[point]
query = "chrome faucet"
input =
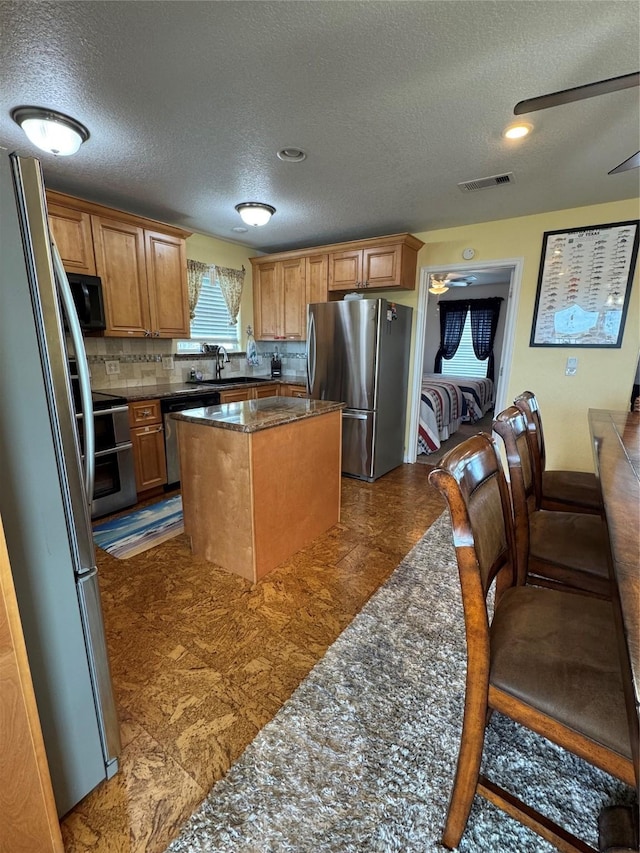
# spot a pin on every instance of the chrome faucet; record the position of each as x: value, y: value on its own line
x: 222, y: 358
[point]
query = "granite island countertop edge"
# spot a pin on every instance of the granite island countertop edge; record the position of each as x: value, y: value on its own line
x: 259, y: 414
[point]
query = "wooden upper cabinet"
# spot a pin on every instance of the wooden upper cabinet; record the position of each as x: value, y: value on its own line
x: 266, y: 301
x: 317, y: 278
x: 167, y: 282
x: 142, y: 264
x: 121, y: 264
x: 293, y: 311
x: 382, y: 264
x: 279, y: 305
x: 71, y: 230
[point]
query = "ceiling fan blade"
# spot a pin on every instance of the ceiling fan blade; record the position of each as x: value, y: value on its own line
x: 566, y: 96
x: 632, y: 162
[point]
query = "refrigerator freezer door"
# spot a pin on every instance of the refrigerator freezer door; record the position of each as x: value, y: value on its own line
x: 357, y: 443
x: 42, y: 501
x: 342, y: 351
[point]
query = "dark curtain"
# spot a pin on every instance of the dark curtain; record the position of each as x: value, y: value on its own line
x: 484, y: 322
x: 452, y: 318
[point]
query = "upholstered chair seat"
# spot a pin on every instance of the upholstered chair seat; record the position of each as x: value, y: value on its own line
x: 557, y: 653
x: 570, y: 491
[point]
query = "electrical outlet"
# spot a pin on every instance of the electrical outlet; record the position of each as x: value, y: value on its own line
x: 167, y: 362
x: 112, y: 367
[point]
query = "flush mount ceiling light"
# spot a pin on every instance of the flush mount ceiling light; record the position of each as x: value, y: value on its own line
x: 517, y: 131
x: 291, y: 155
x: 438, y: 287
x: 255, y: 212
x: 51, y: 131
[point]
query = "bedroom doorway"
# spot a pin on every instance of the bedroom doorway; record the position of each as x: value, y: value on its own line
x: 506, y: 275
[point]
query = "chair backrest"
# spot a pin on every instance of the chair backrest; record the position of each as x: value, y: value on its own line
x: 511, y: 426
x: 471, y: 479
x: 528, y: 405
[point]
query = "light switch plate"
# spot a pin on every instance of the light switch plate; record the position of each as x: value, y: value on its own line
x: 572, y: 366
x: 112, y: 367
x: 167, y: 362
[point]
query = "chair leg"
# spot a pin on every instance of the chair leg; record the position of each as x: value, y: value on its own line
x: 467, y: 772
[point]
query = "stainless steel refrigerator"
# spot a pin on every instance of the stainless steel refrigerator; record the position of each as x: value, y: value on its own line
x: 358, y: 354
x: 43, y: 500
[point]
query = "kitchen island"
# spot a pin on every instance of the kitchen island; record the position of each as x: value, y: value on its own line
x: 260, y: 479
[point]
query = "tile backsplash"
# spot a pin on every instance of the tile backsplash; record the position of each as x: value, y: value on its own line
x: 139, y: 361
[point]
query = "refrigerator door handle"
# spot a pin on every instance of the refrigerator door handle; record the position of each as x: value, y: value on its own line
x: 359, y: 416
x: 311, y: 352
x: 83, y: 372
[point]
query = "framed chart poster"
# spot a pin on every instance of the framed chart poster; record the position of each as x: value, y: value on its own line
x: 584, y: 285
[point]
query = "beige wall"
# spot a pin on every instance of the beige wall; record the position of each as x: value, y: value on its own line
x: 604, y: 377
x: 211, y: 250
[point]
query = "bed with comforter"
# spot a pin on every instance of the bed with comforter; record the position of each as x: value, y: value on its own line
x: 448, y: 401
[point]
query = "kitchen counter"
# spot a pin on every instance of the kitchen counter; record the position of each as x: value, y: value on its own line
x: 260, y: 479
x: 255, y: 415
x: 158, y: 391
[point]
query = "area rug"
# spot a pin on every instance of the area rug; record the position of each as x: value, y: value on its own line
x: 361, y: 758
x: 141, y: 529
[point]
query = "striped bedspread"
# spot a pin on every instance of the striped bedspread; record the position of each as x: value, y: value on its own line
x: 478, y: 394
x: 441, y: 407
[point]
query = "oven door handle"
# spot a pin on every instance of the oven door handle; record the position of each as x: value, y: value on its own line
x: 119, y: 448
x: 114, y: 410
x: 83, y: 372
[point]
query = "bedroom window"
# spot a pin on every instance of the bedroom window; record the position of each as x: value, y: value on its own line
x: 464, y: 362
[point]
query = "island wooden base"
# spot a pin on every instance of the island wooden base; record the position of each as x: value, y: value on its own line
x: 251, y: 500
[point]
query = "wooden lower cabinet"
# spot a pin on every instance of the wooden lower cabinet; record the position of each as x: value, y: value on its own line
x: 147, y: 437
x: 293, y: 391
x: 239, y: 395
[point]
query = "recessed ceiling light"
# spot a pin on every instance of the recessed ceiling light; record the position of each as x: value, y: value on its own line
x: 291, y: 155
x: 517, y: 131
x: 50, y: 130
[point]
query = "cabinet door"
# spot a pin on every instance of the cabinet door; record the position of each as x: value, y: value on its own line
x: 149, y: 457
x: 382, y: 266
x: 345, y: 270
x: 317, y: 279
x: 71, y: 230
x: 237, y: 395
x: 293, y: 391
x: 167, y: 281
x: 266, y: 302
x: 292, y: 277
x: 120, y: 262
x: 265, y: 391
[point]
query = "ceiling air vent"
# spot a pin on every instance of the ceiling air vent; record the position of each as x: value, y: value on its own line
x: 485, y: 183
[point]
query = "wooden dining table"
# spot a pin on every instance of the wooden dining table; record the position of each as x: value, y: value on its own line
x: 616, y: 449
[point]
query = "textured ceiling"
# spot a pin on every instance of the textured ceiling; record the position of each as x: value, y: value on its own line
x: 394, y: 102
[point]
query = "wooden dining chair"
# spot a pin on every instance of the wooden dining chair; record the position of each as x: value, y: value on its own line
x: 560, y: 490
x: 561, y: 550
x: 546, y: 659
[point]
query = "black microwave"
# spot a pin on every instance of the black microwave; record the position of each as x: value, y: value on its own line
x: 87, y: 296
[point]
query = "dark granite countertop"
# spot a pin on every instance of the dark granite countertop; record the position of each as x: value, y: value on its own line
x: 185, y: 389
x: 254, y: 415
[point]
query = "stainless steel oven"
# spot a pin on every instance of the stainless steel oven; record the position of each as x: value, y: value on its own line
x: 115, y: 478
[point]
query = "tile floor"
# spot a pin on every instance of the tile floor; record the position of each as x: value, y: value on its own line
x: 202, y: 659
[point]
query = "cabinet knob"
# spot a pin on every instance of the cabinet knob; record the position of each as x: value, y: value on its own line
x: 145, y: 413
x: 147, y: 333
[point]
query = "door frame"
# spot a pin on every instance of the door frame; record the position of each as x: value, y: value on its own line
x: 516, y: 266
